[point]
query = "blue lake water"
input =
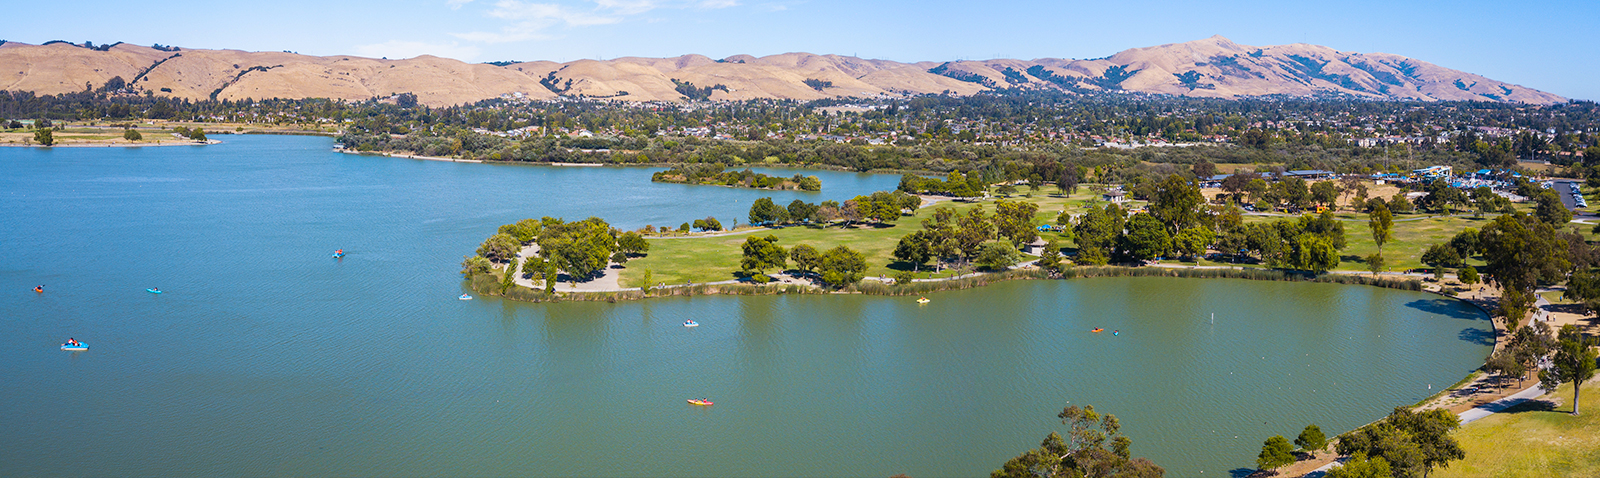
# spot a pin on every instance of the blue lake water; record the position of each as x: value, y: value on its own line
x: 264, y: 356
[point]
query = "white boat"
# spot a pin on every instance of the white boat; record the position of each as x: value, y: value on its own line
x: 465, y: 297
x: 75, y: 348
x: 923, y: 300
x: 690, y: 323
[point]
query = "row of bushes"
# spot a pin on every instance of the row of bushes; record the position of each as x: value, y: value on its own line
x: 490, y: 283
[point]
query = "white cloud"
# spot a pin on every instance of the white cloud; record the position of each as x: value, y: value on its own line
x: 534, y: 21
x: 531, y: 20
x: 628, y: 7
x: 456, y: 4
x: 397, y: 49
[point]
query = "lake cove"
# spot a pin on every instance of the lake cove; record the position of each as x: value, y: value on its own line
x: 264, y: 354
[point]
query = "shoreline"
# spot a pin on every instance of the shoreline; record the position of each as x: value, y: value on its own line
x: 115, y: 145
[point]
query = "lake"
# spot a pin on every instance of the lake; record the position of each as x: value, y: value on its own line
x: 265, y: 356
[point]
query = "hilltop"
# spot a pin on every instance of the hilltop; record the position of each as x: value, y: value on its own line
x: 1211, y: 67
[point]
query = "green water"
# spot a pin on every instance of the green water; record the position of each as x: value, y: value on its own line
x: 266, y: 357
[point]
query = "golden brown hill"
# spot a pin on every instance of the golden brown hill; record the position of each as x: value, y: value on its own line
x: 1212, y: 67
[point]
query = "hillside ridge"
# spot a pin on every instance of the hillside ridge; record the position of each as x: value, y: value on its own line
x: 1213, y: 67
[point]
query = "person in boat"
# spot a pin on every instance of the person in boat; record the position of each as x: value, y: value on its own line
x: 73, y: 342
x: 157, y: 289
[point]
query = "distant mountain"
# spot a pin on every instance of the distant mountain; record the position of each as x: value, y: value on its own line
x: 1212, y: 67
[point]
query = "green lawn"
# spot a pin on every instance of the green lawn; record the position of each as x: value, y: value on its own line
x: 1531, y: 441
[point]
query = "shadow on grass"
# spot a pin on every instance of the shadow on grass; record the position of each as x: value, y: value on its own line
x: 1533, y: 406
x: 1446, y: 307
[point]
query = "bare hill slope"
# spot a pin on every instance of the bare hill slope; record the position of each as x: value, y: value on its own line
x: 1211, y: 67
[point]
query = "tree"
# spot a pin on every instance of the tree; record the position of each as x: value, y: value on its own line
x: 808, y: 183
x: 1468, y: 275
x: 499, y: 248
x: 762, y: 253
x: 1520, y: 251
x: 1550, y: 210
x: 1204, y: 169
x: 1360, y: 466
x: 806, y: 258
x: 1314, y: 253
x: 1381, y: 222
x: 1398, y: 203
x: 801, y: 211
x: 1015, y: 221
x: 1275, y: 453
x: 711, y: 224
x: 996, y: 256
x: 197, y: 134
x: 764, y: 212
x: 1093, y: 447
x: 1412, y: 443
x: 1441, y: 256
x: 475, y: 265
x: 1050, y: 259
x: 1194, y: 241
x: 1573, y: 363
x: 1146, y: 239
x: 1325, y: 193
x: 842, y: 266
x: 44, y: 136
x: 1375, y: 263
x: 1096, y: 233
x: 915, y: 248
x: 581, y: 248
x: 131, y: 135
x: 1311, y: 439
x: 1176, y: 203
x: 632, y: 243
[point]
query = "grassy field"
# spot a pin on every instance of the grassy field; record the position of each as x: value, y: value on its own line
x: 707, y: 259
x: 153, y: 132
x: 1532, y: 440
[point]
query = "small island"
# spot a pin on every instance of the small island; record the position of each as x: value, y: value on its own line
x: 712, y: 174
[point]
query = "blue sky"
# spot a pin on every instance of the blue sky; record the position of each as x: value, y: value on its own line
x: 1548, y: 45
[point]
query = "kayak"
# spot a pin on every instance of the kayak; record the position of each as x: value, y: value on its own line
x: 465, y: 297
x: 690, y: 323
x: 75, y: 348
x: 153, y: 291
x: 1098, y: 330
x: 923, y: 300
x: 703, y: 403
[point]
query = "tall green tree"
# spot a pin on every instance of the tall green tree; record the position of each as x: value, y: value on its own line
x: 996, y: 256
x: 499, y: 248
x: 915, y: 248
x: 1574, y: 362
x: 762, y: 253
x: 632, y: 243
x: 842, y: 266
x: 764, y: 212
x: 1015, y: 221
x: 1521, y: 251
x: 44, y: 136
x: 1093, y: 447
x: 806, y: 258
x: 1176, y: 203
x: 581, y: 248
x: 1311, y: 439
x: 1146, y: 238
x: 1275, y: 453
x: 1381, y: 222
